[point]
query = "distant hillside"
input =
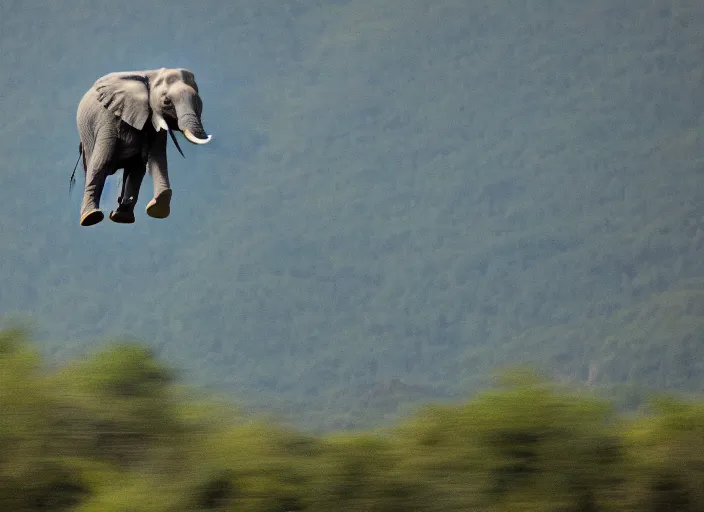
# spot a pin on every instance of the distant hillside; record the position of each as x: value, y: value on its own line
x: 414, y: 192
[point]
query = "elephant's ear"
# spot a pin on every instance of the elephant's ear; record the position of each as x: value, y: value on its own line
x: 126, y: 95
x: 189, y: 78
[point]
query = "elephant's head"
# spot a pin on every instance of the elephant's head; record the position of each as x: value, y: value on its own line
x: 169, y: 96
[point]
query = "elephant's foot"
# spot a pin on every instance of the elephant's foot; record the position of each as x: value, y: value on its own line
x: 160, y: 206
x: 92, y: 217
x: 124, y: 214
x: 122, y: 217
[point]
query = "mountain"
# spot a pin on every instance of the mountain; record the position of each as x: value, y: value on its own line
x: 413, y: 191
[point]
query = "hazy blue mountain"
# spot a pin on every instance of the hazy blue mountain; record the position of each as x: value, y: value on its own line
x: 400, y: 196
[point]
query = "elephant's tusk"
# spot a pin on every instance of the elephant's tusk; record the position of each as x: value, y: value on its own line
x: 159, y: 122
x: 194, y: 139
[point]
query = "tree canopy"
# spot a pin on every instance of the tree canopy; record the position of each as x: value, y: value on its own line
x: 113, y: 432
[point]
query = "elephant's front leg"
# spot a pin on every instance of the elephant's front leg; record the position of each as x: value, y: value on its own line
x: 99, y: 166
x: 132, y: 177
x: 160, y: 206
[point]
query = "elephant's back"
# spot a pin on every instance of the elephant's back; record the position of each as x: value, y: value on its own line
x: 87, y: 106
x: 91, y: 114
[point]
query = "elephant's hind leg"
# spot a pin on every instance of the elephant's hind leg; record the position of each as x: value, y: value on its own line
x: 99, y: 166
x: 132, y: 177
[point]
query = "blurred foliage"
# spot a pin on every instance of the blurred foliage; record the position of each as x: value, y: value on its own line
x: 113, y: 432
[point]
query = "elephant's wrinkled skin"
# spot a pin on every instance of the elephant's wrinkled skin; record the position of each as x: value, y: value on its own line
x: 122, y: 123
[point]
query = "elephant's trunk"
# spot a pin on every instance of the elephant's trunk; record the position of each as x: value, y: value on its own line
x: 188, y: 120
x: 192, y: 128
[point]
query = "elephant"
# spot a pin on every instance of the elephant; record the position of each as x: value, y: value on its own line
x: 122, y: 123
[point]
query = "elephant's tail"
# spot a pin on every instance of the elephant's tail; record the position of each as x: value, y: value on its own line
x: 81, y: 155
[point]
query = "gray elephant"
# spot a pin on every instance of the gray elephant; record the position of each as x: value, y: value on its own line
x: 122, y: 123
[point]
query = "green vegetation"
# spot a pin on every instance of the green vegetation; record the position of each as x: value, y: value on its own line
x: 400, y: 197
x: 113, y: 432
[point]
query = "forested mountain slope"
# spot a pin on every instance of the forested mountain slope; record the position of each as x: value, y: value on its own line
x: 399, y: 198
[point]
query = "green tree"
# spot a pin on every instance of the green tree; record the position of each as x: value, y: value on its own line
x: 31, y: 478
x: 114, y: 406
x: 666, y: 457
x: 525, y: 447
